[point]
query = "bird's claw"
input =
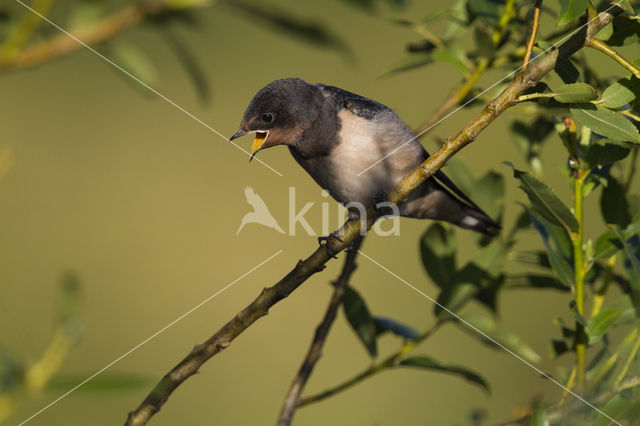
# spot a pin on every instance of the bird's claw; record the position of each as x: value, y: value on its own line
x: 326, y: 240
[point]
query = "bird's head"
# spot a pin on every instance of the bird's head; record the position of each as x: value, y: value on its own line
x: 279, y: 113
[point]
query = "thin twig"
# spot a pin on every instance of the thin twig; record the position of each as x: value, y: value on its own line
x: 389, y: 362
x: 106, y: 28
x: 614, y: 54
x: 315, y: 350
x: 352, y: 229
x: 534, y: 32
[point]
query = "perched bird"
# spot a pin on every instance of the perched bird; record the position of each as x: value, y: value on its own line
x: 335, y: 135
x: 260, y: 213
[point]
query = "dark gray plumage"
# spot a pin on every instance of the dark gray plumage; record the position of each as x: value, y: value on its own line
x: 335, y: 134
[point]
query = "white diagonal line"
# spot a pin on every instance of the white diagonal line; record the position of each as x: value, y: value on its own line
x: 148, y: 339
x: 477, y: 330
x: 142, y: 83
x: 553, y: 46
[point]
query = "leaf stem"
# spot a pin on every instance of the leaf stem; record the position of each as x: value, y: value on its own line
x: 530, y: 96
x: 579, y: 271
x: 612, y: 53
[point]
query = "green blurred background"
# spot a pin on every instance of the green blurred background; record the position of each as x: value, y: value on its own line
x: 144, y: 203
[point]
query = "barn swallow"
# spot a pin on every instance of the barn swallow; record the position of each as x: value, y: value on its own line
x: 335, y: 135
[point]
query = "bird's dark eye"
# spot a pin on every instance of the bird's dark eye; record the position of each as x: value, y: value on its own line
x: 267, y: 118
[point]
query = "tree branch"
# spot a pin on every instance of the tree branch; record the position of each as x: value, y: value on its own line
x: 352, y: 229
x: 534, y: 32
x: 62, y: 45
x: 315, y: 350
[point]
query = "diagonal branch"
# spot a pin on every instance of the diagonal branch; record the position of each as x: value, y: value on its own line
x: 352, y: 229
x: 315, y: 350
x: 61, y: 45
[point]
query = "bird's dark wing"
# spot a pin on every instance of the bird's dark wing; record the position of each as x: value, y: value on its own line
x: 450, y: 187
x: 365, y: 108
x: 358, y: 105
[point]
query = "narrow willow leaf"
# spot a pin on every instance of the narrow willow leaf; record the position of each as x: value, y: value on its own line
x: 137, y: 63
x: 535, y: 281
x: 451, y: 58
x: 570, y: 10
x: 546, y: 202
x: 615, y: 408
x: 384, y: 324
x: 574, y: 93
x: 598, y: 325
x: 567, y: 72
x: 632, y: 264
x: 606, y: 123
x: 615, y: 206
x: 539, y: 417
x: 620, y: 93
x: 498, y: 333
x: 454, y: 298
x: 625, y: 31
x: 359, y: 317
x: 426, y: 362
x: 557, y: 243
x: 603, y: 153
x: 438, y: 249
x: 280, y: 20
x: 606, y: 245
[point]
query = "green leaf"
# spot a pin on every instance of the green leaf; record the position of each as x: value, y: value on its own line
x: 606, y: 122
x: 604, y: 152
x: 105, y: 382
x: 632, y: 265
x: 426, y: 362
x: 438, y: 249
x: 535, y: 281
x: 598, y: 325
x: 409, y: 62
x: 620, y: 93
x: 451, y: 58
x: 384, y: 324
x: 492, y: 331
x: 458, y: 21
x: 625, y: 31
x: 575, y: 92
x: 454, y: 298
x: 567, y: 71
x: 136, y: 62
x: 359, y: 317
x: 615, y: 408
x: 280, y: 20
x: 570, y: 10
x: 605, y: 245
x: 558, y: 246
x: 615, y: 206
x: 539, y: 417
x: 545, y: 202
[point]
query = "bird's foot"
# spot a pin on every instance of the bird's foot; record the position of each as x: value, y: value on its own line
x: 327, y: 240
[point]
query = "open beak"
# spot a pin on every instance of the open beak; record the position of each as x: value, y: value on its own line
x: 259, y: 140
